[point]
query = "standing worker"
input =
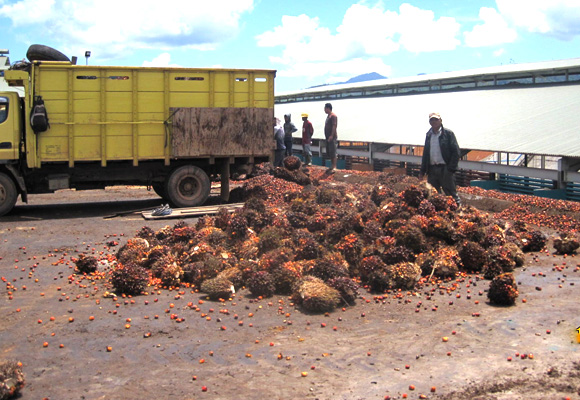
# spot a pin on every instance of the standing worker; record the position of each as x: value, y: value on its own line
x: 440, y: 158
x: 307, y: 132
x: 289, y: 129
x: 331, y: 135
x: 280, y: 147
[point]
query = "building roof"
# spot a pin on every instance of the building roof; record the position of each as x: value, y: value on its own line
x: 541, y: 119
x: 532, y: 69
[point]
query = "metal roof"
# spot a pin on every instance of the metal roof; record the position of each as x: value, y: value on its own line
x: 534, y: 120
x: 533, y: 69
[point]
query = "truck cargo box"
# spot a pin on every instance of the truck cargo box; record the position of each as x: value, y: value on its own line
x: 133, y: 113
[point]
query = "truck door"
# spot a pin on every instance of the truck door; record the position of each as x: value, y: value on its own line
x: 9, y: 126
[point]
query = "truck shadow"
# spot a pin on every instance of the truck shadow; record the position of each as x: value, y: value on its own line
x: 23, y: 212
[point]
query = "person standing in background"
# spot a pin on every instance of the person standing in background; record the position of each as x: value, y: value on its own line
x: 440, y: 158
x: 331, y: 135
x: 280, y: 147
x: 289, y: 129
x: 307, y: 132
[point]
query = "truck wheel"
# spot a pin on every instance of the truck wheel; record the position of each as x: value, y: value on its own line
x: 8, y: 194
x: 40, y: 52
x: 188, y: 186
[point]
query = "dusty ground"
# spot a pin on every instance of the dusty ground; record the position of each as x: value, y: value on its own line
x: 378, y: 348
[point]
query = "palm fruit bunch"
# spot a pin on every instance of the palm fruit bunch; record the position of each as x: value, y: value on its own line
x: 443, y: 203
x: 306, y: 245
x: 371, y: 265
x: 298, y: 176
x: 11, y: 379
x: 446, y: 260
x: 171, y: 275
x: 129, y: 278
x: 494, y: 236
x: 398, y: 254
x: 86, y: 264
x: 275, y: 258
x: 270, y: 238
x: 237, y: 228
x: 135, y: 250
x: 292, y: 163
x: 533, y: 241
x: 566, y: 243
x: 473, y: 256
x: 503, y: 290
x: 350, y: 247
x: 441, y: 228
x: 515, y: 253
x: 234, y: 274
x: 412, y: 238
x: 261, y: 283
x: 313, y: 295
x: 491, y: 270
x: 404, y: 275
x: 330, y: 265
x: 502, y: 258
x: 347, y: 288
x: 216, y: 288
x: 286, y: 275
x: 413, y: 196
x: 426, y: 208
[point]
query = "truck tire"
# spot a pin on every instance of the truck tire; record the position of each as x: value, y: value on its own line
x: 187, y: 186
x: 8, y: 194
x: 40, y: 52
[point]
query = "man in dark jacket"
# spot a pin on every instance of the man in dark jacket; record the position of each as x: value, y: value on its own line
x: 440, y: 158
x: 289, y: 129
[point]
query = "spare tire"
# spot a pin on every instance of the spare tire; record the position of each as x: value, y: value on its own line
x: 39, y: 52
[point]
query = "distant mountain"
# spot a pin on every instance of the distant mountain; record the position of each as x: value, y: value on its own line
x: 371, y: 76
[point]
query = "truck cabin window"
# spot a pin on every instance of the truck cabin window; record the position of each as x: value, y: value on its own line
x: 3, y: 109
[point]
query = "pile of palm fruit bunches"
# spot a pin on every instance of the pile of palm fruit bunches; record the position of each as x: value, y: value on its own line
x: 306, y: 234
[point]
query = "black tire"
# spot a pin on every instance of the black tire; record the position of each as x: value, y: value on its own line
x: 187, y: 186
x: 8, y: 194
x: 40, y: 52
x: 159, y: 188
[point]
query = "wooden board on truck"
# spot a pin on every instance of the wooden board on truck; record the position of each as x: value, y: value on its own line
x: 219, y: 131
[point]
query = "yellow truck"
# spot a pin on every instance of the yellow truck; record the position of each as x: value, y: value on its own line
x: 171, y: 129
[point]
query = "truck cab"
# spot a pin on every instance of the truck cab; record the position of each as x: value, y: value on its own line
x: 10, y: 126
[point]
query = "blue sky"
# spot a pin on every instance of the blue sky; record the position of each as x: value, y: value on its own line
x: 309, y: 42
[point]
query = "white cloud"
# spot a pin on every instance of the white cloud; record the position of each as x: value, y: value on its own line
x: 420, y: 32
x: 365, y: 35
x: 494, y: 30
x: 558, y: 18
x: 110, y: 27
x: 162, y: 60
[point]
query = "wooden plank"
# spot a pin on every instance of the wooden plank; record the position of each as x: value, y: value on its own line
x: 222, y: 132
x: 190, y: 212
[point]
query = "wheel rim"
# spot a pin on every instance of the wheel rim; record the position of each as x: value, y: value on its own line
x: 3, y: 194
x: 188, y: 187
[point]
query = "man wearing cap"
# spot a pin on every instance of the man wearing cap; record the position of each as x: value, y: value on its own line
x: 307, y: 132
x: 440, y: 158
